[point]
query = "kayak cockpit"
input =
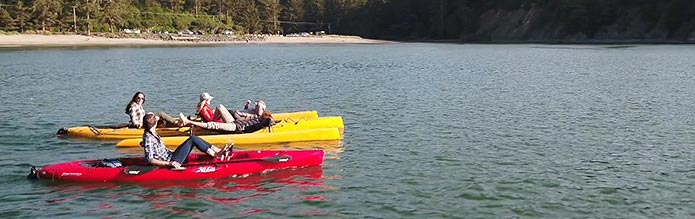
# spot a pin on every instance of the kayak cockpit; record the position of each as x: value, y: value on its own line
x: 114, y: 162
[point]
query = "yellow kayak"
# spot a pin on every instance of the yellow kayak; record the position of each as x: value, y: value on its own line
x: 300, y: 119
x: 319, y: 134
x: 332, y: 147
x: 296, y: 115
x: 320, y: 122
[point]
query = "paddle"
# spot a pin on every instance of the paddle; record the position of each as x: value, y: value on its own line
x: 138, y: 170
x: 33, y: 173
x: 291, y: 120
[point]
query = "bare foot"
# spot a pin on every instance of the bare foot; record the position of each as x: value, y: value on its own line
x: 183, y: 120
x: 224, y: 152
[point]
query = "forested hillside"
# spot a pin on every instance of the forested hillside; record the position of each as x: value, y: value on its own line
x: 535, y: 20
x: 466, y: 20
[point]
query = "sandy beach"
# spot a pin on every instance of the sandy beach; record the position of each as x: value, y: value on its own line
x: 37, y: 40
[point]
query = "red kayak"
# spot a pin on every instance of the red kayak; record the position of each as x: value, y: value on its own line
x: 198, y: 166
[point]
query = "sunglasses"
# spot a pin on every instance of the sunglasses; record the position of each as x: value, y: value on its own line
x: 140, y: 98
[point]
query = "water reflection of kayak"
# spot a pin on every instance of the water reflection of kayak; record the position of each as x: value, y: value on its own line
x: 291, y: 185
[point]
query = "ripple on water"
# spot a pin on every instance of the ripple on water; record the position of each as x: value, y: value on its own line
x: 432, y: 130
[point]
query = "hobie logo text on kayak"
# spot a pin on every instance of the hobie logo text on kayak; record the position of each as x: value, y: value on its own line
x: 206, y: 169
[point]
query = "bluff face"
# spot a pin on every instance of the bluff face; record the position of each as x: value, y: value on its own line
x: 539, y: 25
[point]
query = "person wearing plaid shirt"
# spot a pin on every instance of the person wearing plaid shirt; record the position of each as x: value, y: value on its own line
x: 135, y: 110
x: 158, y: 154
x: 238, y: 126
x: 249, y: 113
x: 154, y: 147
x: 252, y: 125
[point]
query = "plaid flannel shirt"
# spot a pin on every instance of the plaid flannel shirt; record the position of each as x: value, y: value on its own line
x: 136, y: 115
x: 244, y: 115
x: 154, y: 148
x: 252, y: 125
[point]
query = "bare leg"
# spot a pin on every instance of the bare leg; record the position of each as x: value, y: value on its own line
x: 208, y: 125
x: 185, y: 121
x: 169, y: 120
x: 222, y: 112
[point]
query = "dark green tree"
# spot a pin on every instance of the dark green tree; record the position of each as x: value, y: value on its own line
x: 21, y: 15
x: 6, y: 21
x: 115, y: 13
x: 175, y: 6
x: 313, y: 10
x: 271, y: 10
x: 294, y: 10
x: 250, y: 18
x: 46, y: 13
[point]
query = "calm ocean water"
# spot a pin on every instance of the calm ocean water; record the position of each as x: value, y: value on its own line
x: 432, y: 130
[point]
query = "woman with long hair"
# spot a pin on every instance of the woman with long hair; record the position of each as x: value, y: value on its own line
x: 135, y: 110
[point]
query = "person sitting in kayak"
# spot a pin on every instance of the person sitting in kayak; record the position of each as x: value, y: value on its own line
x: 250, y: 113
x: 237, y: 126
x: 221, y: 114
x: 157, y: 153
x: 136, y: 111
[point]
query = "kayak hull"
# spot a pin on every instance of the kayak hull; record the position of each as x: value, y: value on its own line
x: 301, y: 124
x: 127, y: 133
x: 198, y: 166
x: 320, y: 134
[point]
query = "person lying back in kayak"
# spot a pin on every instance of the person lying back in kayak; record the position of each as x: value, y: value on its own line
x: 250, y: 113
x: 221, y: 114
x: 136, y: 111
x: 237, y: 126
x: 156, y: 153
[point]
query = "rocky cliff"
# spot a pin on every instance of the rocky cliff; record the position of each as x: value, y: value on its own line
x: 537, y: 25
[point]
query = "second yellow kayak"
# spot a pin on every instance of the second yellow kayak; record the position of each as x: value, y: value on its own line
x: 319, y: 134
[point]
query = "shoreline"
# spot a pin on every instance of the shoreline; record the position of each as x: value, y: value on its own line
x: 9, y: 41
x: 562, y: 42
x: 100, y: 40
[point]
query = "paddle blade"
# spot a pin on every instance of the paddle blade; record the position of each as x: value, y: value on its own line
x: 33, y: 173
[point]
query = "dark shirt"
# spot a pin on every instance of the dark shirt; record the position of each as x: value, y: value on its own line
x: 252, y: 125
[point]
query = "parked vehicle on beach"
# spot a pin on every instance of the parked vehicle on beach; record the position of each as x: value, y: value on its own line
x: 302, y: 34
x: 133, y: 31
